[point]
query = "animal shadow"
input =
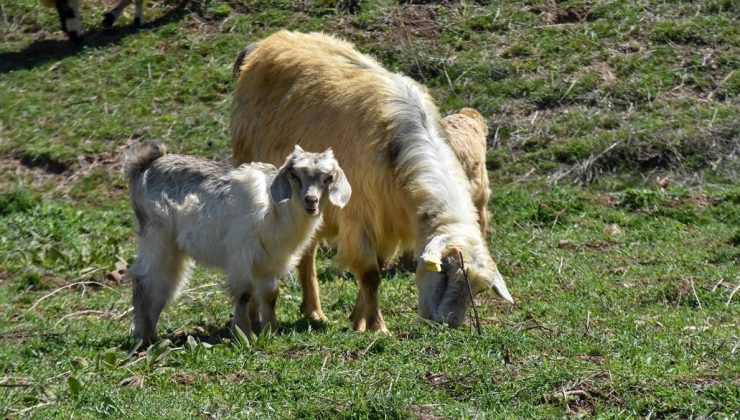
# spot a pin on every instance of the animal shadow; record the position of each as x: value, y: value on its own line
x: 43, y: 51
x: 209, y: 333
x: 301, y: 325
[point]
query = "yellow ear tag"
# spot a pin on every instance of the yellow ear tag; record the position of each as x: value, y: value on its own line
x: 433, y: 266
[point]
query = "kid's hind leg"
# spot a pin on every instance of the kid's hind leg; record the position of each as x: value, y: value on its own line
x: 156, y: 277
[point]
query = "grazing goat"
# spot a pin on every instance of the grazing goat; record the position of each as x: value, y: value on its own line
x: 69, y: 15
x: 467, y: 132
x: 252, y: 221
x: 319, y: 91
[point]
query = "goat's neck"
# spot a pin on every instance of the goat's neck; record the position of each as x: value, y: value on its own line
x: 287, y: 227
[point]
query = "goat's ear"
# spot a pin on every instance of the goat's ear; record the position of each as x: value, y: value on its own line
x: 436, y: 249
x: 339, y: 190
x: 280, y: 189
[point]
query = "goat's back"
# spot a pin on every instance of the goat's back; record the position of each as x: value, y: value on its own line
x: 318, y: 91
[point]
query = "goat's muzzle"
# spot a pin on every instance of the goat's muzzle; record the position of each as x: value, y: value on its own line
x: 311, y: 204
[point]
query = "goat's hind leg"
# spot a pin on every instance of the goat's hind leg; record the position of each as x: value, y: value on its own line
x: 139, y: 14
x: 69, y: 16
x: 110, y: 16
x: 156, y: 279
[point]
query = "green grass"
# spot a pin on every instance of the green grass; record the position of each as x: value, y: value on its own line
x: 616, y: 214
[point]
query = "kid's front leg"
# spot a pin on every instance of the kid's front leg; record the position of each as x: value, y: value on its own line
x: 242, y: 318
x: 266, y: 294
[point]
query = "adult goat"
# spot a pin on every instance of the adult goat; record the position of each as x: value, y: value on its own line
x: 409, y: 188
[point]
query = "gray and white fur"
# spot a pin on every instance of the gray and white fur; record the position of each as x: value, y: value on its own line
x: 253, y: 222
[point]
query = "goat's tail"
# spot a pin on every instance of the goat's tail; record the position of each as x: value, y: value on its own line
x: 139, y: 160
x: 236, y: 70
x: 48, y: 3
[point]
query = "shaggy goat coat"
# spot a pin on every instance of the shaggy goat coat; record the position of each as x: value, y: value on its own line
x: 409, y: 189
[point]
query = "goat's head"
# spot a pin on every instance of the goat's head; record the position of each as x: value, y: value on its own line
x: 313, y: 177
x: 441, y: 281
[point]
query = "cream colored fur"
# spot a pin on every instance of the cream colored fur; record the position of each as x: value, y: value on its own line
x: 319, y: 91
x: 467, y: 132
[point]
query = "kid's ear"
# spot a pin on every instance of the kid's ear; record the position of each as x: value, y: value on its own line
x: 339, y: 190
x: 280, y: 189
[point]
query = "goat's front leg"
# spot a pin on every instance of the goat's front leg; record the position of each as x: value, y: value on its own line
x: 311, y: 304
x: 242, y: 318
x: 267, y: 293
x: 366, y: 314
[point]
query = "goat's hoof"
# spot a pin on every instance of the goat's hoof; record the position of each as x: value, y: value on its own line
x: 74, y: 37
x: 144, y: 343
x: 373, y: 323
x: 316, y: 317
x: 138, y: 22
x: 108, y: 20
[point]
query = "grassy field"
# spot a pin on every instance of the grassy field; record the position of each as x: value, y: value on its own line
x: 615, y: 133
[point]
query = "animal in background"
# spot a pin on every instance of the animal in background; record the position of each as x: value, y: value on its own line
x: 253, y: 222
x: 467, y: 131
x: 69, y: 15
x: 409, y: 189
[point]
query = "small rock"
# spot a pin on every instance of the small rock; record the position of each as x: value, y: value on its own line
x: 114, y: 276
x: 567, y: 244
x: 662, y: 182
x: 613, y: 229
x: 134, y: 382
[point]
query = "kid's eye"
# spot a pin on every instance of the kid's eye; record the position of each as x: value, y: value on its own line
x: 328, y: 179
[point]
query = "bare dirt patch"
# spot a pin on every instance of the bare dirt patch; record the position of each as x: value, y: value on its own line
x: 581, y: 396
x: 422, y: 412
x: 413, y: 21
x: 697, y: 199
x: 597, y: 360
x: 554, y: 14
x: 40, y: 171
x: 297, y: 353
x: 183, y: 378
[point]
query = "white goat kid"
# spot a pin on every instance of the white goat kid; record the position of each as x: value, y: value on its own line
x: 69, y: 15
x: 253, y: 221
